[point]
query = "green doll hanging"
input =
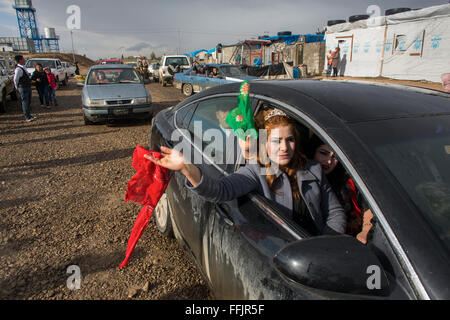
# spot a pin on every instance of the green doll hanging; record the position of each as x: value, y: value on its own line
x: 240, y: 119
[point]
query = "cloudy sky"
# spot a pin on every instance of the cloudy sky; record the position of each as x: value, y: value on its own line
x: 110, y: 28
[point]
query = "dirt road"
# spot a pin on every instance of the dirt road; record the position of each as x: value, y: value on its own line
x: 62, y: 188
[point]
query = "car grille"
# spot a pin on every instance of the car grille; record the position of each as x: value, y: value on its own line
x: 118, y: 102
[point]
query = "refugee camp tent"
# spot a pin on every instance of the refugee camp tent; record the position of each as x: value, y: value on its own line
x: 412, y: 45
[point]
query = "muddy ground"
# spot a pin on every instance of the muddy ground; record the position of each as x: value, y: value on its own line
x: 62, y: 188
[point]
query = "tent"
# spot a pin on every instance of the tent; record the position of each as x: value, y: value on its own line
x: 412, y: 45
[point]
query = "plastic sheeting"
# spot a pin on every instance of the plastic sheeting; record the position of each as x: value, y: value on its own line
x: 294, y: 38
x: 194, y: 53
x: 411, y: 45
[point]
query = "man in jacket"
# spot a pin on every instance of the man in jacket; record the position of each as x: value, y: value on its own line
x: 22, y: 83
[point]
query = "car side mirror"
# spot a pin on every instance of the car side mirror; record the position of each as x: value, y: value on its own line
x: 333, y: 263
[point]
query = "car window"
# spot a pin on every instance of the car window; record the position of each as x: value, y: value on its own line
x: 113, y: 76
x: 184, y: 116
x: 232, y: 71
x: 45, y: 63
x: 177, y: 61
x: 418, y: 156
x: 208, y: 124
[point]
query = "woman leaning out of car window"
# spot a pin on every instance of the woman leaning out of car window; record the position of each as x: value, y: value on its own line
x: 287, y: 177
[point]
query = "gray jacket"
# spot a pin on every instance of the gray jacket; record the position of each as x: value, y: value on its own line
x: 321, y: 201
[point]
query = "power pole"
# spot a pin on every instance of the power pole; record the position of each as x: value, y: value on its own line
x: 73, y: 51
x: 179, y: 47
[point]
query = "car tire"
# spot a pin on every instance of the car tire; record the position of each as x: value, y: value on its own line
x: 3, y: 103
x: 87, y: 122
x: 162, y: 217
x: 57, y: 81
x: 187, y: 89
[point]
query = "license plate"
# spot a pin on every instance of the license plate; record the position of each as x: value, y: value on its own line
x: 120, y: 111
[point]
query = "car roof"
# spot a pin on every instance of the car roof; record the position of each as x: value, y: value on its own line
x: 111, y: 66
x: 42, y: 59
x: 351, y: 101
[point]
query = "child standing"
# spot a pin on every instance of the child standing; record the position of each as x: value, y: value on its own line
x: 52, y: 86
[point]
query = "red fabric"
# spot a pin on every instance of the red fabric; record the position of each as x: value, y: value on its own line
x: 145, y: 187
x: 52, y: 80
x: 355, y: 209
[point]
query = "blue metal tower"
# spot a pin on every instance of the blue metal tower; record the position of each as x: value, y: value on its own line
x: 26, y: 20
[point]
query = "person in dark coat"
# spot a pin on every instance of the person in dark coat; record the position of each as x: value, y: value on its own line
x: 41, y: 84
x: 77, y: 70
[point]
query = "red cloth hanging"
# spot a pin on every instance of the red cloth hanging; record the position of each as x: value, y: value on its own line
x: 356, y: 211
x: 145, y: 187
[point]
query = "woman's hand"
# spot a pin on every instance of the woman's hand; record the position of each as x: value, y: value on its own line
x: 171, y: 159
x: 174, y: 160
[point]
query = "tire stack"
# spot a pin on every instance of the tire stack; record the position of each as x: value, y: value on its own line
x: 395, y: 11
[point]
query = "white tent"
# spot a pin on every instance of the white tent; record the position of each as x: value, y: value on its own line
x: 412, y: 45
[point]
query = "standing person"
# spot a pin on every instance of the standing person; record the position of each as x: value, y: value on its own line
x: 77, y: 70
x: 329, y: 62
x: 22, y: 83
x: 52, y: 86
x: 41, y: 84
x: 335, y: 61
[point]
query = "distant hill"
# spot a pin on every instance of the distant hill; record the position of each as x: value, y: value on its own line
x: 84, y: 63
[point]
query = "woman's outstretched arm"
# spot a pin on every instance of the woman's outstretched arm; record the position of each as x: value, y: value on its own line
x: 217, y: 190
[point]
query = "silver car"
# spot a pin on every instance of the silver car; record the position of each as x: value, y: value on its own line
x: 115, y: 91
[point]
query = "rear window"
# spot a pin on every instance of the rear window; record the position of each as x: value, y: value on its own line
x: 177, y: 61
x: 417, y: 153
x: 45, y: 63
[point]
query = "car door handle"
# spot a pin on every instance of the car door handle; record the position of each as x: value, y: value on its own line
x: 221, y: 210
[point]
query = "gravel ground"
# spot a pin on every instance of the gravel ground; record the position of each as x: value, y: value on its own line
x: 62, y: 189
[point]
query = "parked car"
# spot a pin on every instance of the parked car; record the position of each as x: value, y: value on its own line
x: 54, y: 64
x: 110, y: 61
x: 171, y: 65
x: 6, y: 85
x: 191, y: 81
x: 395, y: 144
x: 70, y: 68
x: 153, y: 70
x: 114, y: 91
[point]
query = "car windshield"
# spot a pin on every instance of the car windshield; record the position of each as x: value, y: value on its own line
x: 179, y: 61
x: 232, y: 71
x: 45, y: 63
x: 113, y: 76
x: 417, y: 153
x: 111, y: 62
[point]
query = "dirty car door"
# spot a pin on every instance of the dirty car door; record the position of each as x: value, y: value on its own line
x: 209, y: 115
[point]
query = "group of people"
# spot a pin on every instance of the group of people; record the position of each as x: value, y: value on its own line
x: 333, y: 59
x: 46, y: 85
x: 313, y: 186
x: 200, y: 69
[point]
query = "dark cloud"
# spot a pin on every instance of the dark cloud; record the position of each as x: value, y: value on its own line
x: 139, y: 46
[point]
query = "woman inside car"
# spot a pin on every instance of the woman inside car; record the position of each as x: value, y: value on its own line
x: 358, y: 214
x: 286, y: 177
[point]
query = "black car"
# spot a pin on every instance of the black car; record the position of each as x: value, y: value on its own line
x: 393, y: 141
